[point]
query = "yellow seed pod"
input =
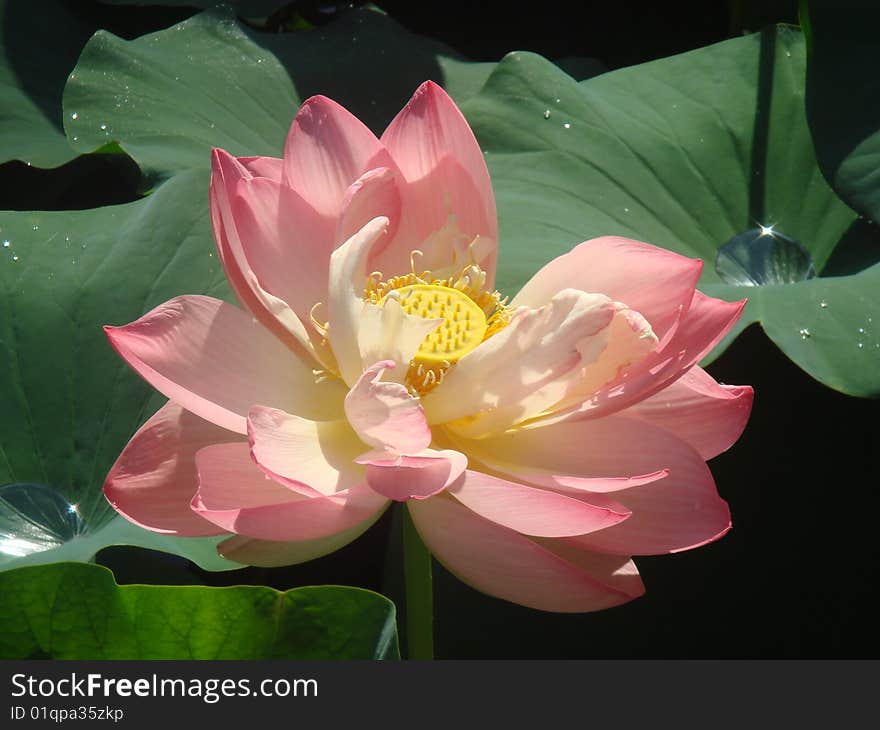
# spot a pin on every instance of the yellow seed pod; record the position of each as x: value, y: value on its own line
x: 463, y: 327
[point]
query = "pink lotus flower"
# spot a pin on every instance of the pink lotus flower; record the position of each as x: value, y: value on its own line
x: 538, y: 444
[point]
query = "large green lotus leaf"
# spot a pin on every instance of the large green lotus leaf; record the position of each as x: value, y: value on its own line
x: 76, y: 611
x: 37, y: 51
x: 687, y: 153
x: 69, y: 402
x: 843, y: 102
x: 168, y: 97
x: 826, y: 325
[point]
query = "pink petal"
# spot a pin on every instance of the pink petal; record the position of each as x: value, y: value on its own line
x: 215, y: 361
x: 618, y: 570
x: 531, y: 511
x: 558, y: 458
x: 709, y: 416
x: 385, y: 415
x: 237, y: 496
x: 501, y: 562
x: 630, y: 341
x: 275, y: 314
x: 307, y: 456
x: 154, y: 478
x: 285, y: 242
x: 326, y: 150
x: 226, y: 170
x: 375, y: 193
x: 704, y: 325
x: 520, y: 371
x: 272, y: 554
x: 412, y: 476
x: 429, y: 129
x: 443, y: 214
x: 652, y: 281
x: 268, y: 167
x: 679, y: 511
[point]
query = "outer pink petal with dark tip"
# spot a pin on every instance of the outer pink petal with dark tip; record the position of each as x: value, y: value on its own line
x: 412, y: 476
x: 676, y: 512
x: 216, y: 361
x: 384, y: 415
x: 154, y: 478
x: 237, y: 496
x: 505, y: 564
x: 697, y: 409
x: 656, y: 283
x: 531, y: 511
x: 326, y: 150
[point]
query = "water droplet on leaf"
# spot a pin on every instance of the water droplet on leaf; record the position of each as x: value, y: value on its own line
x: 34, y: 518
x: 762, y: 256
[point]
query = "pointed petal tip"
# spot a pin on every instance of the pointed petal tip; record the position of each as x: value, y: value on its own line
x: 431, y: 88
x: 318, y: 100
x: 319, y: 107
x: 224, y: 164
x: 219, y: 156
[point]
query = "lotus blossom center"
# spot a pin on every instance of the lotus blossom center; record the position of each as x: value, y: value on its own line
x: 469, y: 314
x: 463, y: 327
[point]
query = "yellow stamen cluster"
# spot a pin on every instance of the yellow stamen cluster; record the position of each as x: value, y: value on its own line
x: 470, y: 316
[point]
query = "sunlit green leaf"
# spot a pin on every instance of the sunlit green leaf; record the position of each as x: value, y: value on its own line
x: 76, y: 611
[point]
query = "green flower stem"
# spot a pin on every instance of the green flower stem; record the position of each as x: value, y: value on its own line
x: 419, y: 592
